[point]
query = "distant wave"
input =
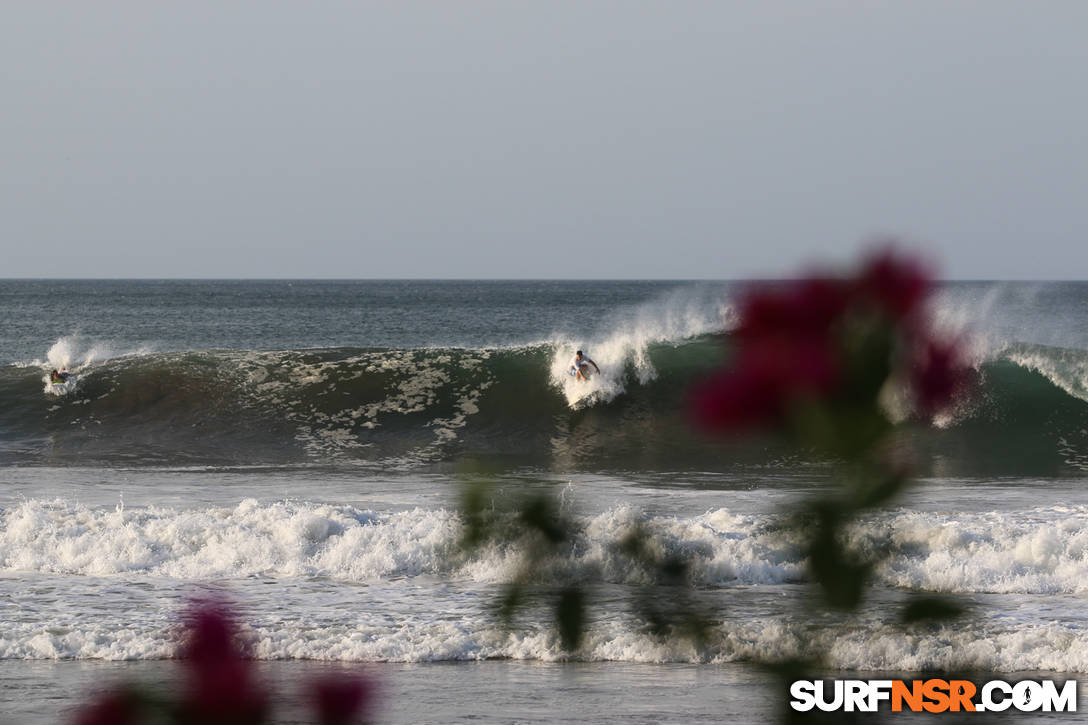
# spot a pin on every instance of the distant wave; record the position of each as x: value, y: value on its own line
x: 427, y: 406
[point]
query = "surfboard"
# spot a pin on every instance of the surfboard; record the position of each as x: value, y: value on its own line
x: 62, y: 388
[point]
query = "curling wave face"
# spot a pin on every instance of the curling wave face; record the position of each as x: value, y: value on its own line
x: 415, y: 408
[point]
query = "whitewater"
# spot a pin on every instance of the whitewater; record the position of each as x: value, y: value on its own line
x: 301, y: 448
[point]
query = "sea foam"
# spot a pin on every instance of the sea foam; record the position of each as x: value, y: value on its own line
x: 1040, y: 551
x: 621, y: 347
x: 340, y: 582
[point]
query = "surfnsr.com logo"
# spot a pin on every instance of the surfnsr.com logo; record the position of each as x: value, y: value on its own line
x: 933, y: 695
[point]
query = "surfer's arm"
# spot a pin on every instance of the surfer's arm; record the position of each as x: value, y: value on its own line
x: 595, y: 367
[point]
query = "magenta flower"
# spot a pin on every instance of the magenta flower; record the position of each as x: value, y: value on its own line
x: 797, y: 341
x: 803, y: 308
x: 222, y: 687
x: 767, y: 376
x: 113, y: 708
x: 340, y: 699
x: 939, y: 375
x: 222, y: 684
x: 899, y: 285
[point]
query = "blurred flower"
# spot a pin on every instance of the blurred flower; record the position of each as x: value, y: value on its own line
x: 222, y: 685
x: 340, y: 699
x: 938, y: 375
x: 210, y: 636
x: 826, y: 339
x: 767, y: 376
x: 114, y: 708
x: 805, y: 308
x: 898, y: 284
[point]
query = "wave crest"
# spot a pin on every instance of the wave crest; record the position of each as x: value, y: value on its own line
x: 427, y: 407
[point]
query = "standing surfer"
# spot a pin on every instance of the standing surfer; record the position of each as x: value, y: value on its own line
x: 579, y: 367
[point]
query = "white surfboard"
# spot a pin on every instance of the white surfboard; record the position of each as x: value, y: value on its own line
x: 64, y: 388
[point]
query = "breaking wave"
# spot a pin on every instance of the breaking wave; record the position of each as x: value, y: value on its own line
x: 428, y: 406
x: 1041, y: 551
x: 367, y: 580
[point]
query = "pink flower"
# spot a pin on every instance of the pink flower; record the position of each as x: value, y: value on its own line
x: 767, y: 376
x: 801, y: 340
x: 222, y: 686
x: 806, y: 308
x: 938, y: 375
x: 211, y: 635
x: 340, y: 699
x: 897, y: 284
x: 114, y: 708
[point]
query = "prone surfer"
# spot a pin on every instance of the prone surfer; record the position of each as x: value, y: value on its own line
x: 59, y: 377
x: 579, y: 366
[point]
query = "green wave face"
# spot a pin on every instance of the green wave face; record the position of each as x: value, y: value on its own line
x: 432, y: 408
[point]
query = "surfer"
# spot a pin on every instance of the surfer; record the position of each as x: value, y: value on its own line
x: 59, y: 377
x: 579, y: 366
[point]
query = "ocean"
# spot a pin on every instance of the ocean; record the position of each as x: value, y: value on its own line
x: 301, y: 448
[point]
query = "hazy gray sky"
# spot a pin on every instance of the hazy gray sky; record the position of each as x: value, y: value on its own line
x: 539, y: 139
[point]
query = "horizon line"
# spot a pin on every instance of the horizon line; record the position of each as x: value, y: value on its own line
x: 498, y: 279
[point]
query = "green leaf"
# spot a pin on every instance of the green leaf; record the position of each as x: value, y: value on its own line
x: 842, y: 579
x: 475, y: 498
x: 876, y: 490
x: 673, y: 570
x: 540, y: 513
x: 931, y: 609
x: 511, y: 599
x: 634, y: 544
x: 867, y: 347
x: 570, y: 617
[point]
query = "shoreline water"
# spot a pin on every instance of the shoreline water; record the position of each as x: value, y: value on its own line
x: 507, y: 691
x: 43, y: 692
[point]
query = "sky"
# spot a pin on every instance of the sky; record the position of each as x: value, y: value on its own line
x: 531, y: 139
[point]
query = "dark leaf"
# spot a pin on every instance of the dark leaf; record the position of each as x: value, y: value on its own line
x: 570, y: 616
x: 511, y: 599
x: 540, y: 513
x: 841, y: 578
x: 475, y: 497
x: 931, y: 609
x: 877, y: 489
